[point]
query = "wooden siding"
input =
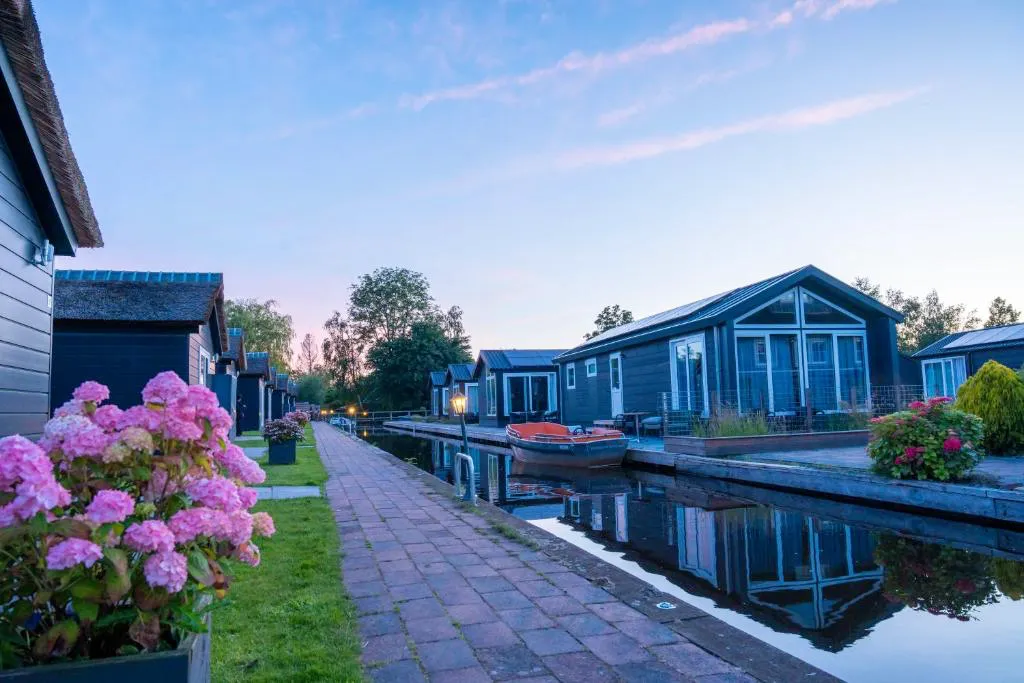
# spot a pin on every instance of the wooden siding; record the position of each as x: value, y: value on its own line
x: 1010, y: 356
x: 200, y: 339
x: 122, y: 358
x: 26, y: 323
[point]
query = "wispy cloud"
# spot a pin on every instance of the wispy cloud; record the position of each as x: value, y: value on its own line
x: 617, y: 117
x: 697, y: 36
x: 794, y: 119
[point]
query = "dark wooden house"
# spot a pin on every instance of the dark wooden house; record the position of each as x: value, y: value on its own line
x: 45, y: 210
x: 268, y: 394
x: 438, y: 393
x: 947, y: 363
x: 278, y: 397
x: 121, y: 328
x: 799, y: 341
x: 251, y: 395
x: 459, y: 378
x: 230, y: 363
x: 517, y: 385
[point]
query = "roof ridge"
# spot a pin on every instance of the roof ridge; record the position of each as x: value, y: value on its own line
x: 138, y: 276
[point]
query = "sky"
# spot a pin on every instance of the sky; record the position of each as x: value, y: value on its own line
x: 540, y: 159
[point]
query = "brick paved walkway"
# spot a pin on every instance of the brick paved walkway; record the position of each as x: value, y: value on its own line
x: 441, y: 598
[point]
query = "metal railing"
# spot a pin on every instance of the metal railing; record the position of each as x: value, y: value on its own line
x: 470, y: 493
x: 783, y: 408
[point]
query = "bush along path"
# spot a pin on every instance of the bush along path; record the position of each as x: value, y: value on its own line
x: 444, y: 592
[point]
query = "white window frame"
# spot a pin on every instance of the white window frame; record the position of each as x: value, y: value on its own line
x: 766, y: 336
x: 672, y: 343
x: 941, y: 361
x: 204, y: 366
x: 491, y: 391
x: 803, y: 319
x: 836, y: 332
x: 552, y: 390
x: 796, y: 312
x: 590, y: 365
x: 465, y: 388
x: 571, y: 366
x: 445, y: 397
x: 433, y: 401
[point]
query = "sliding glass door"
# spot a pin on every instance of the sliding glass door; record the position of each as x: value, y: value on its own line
x: 943, y: 376
x: 690, y: 389
x: 768, y: 366
x: 821, y: 372
x: 853, y: 371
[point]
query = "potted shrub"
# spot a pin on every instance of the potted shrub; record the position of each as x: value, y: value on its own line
x: 281, y: 435
x: 117, y: 532
x: 996, y: 394
x: 299, y: 417
x: 929, y: 441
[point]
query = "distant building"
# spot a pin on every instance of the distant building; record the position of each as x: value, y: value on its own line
x: 518, y: 385
x: 251, y: 399
x: 459, y: 378
x: 947, y: 363
x: 438, y: 393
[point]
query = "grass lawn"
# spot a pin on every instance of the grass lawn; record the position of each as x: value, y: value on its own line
x: 307, y: 470
x: 289, y: 619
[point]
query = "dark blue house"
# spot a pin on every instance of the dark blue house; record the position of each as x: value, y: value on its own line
x: 224, y: 382
x: 121, y: 328
x: 45, y: 210
x: 251, y: 395
x: 459, y: 378
x: 947, y: 363
x: 278, y: 399
x: 797, y: 341
x: 438, y: 393
x: 518, y: 385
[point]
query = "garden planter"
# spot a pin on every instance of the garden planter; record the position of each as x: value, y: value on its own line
x: 282, y: 453
x: 763, y: 443
x: 190, y: 663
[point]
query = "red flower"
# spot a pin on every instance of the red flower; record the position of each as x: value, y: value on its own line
x: 938, y: 400
x: 952, y: 444
x: 917, y: 405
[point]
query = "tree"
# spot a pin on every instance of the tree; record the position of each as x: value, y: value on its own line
x: 925, y: 320
x: 400, y: 366
x: 1001, y: 312
x: 609, y: 317
x: 309, y: 354
x: 386, y: 303
x: 265, y: 328
x: 342, y: 353
x: 312, y: 389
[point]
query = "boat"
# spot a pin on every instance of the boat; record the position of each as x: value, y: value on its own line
x: 548, y: 443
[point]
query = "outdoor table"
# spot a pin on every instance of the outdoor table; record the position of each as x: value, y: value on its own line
x: 637, y: 415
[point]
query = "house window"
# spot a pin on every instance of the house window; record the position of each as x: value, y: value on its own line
x: 943, y: 376
x: 472, y: 399
x: 837, y: 373
x: 781, y: 311
x: 768, y: 368
x: 570, y: 376
x: 689, y: 379
x: 433, y: 401
x: 491, y: 386
x: 444, y: 401
x: 204, y: 367
x: 591, y: 365
x: 817, y: 311
x: 530, y: 392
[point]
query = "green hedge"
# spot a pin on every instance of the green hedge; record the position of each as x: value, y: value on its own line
x: 996, y: 394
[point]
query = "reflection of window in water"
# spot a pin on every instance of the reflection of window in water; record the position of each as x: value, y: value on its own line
x: 493, y: 493
x: 596, y: 520
x: 574, y: 508
x: 696, y: 528
x: 621, y: 519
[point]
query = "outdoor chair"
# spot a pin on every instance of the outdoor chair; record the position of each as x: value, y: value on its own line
x: 651, y: 424
x: 619, y: 422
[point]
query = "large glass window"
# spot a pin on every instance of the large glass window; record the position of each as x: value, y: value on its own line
x: 691, y: 386
x: 491, y: 387
x: 516, y: 400
x: 782, y: 311
x: 570, y: 376
x: 785, y: 361
x: 444, y: 401
x: 943, y: 376
x: 591, y: 365
x: 472, y: 399
x: 752, y: 359
x: 539, y: 393
x: 853, y: 372
x: 769, y: 372
x: 820, y: 312
x: 821, y: 372
x: 529, y: 393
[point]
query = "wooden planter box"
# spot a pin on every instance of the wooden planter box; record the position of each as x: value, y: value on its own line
x: 282, y: 453
x: 190, y: 663
x: 765, y: 443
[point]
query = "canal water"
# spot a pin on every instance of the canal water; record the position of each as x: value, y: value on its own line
x: 869, y: 595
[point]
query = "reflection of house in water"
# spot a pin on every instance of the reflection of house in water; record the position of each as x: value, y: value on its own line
x: 790, y: 571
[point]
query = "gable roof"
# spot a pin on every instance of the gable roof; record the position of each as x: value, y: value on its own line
x: 141, y: 297
x: 516, y: 359
x: 437, y: 378
x: 971, y: 340
x: 19, y: 33
x: 713, y: 309
x: 281, y: 381
x: 257, y: 363
x: 236, y: 347
x: 459, y: 372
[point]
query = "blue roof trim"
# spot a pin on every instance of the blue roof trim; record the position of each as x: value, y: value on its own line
x: 136, y: 276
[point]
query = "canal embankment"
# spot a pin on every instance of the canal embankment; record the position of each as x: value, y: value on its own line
x: 981, y: 502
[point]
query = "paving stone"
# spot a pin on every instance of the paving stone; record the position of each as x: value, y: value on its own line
x: 459, y: 596
x: 435, y: 565
x: 429, y: 630
x: 585, y: 625
x: 579, y: 667
x: 489, y: 584
x: 504, y: 561
x: 538, y: 589
x: 362, y: 575
x: 477, y: 570
x: 550, y: 641
x: 379, y: 624
x: 365, y: 588
x: 387, y: 648
x: 373, y: 604
x: 647, y: 632
x: 650, y: 672
x: 402, y: 578
x: 445, y: 655
x: 396, y: 566
x: 616, y: 611
x: 526, y: 619
x: 490, y: 634
x: 505, y: 663
x: 590, y: 594
x: 517, y: 574
x: 471, y: 675
x: 415, y: 549
x: 535, y: 679
x: 691, y: 660
x: 472, y: 614
x: 424, y: 608
x: 506, y: 600
x: 411, y: 591
x: 399, y: 672
x: 464, y: 559
x: 395, y: 555
x: 615, y: 648
x: 560, y: 604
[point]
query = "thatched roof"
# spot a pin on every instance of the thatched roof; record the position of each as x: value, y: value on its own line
x: 20, y: 35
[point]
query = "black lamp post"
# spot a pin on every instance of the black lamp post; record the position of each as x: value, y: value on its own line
x: 458, y: 402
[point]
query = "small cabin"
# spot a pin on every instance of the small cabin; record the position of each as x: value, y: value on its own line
x: 251, y: 396
x: 438, y: 393
x: 121, y: 328
x: 268, y: 394
x: 293, y: 393
x: 224, y: 382
x: 520, y: 385
x: 459, y: 378
x: 947, y: 363
x: 45, y: 212
x: 278, y: 398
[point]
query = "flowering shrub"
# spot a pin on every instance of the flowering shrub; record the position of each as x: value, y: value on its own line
x: 995, y: 393
x: 929, y: 441
x: 281, y: 430
x: 116, y: 527
x: 935, y: 578
x: 299, y: 417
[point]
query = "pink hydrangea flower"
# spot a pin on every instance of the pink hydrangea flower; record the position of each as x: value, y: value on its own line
x: 110, y: 506
x: 149, y: 536
x: 86, y: 442
x: 73, y: 551
x: 160, y: 486
x: 241, y: 527
x: 215, y: 492
x: 72, y: 407
x: 181, y: 430
x: 91, y: 391
x: 165, y: 388
x: 108, y: 417
x: 249, y: 553
x: 234, y: 460
x: 166, y: 569
x: 25, y: 470
x: 952, y: 444
x: 59, y: 428
x: 137, y: 439
x: 248, y: 496
x: 141, y: 417
x: 262, y: 524
x: 199, y: 521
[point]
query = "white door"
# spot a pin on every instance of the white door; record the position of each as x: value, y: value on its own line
x: 615, y: 370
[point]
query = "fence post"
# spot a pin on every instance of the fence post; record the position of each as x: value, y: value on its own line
x: 809, y: 415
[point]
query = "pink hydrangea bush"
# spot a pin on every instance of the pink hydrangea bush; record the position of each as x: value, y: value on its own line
x: 299, y: 417
x: 118, y: 528
x: 931, y: 440
x: 281, y: 430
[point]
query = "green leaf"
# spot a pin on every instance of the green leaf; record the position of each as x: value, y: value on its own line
x: 58, y: 641
x: 145, y: 630
x: 117, y: 559
x: 87, y: 589
x: 199, y: 568
x: 121, y: 616
x: 117, y: 585
x: 86, y: 611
